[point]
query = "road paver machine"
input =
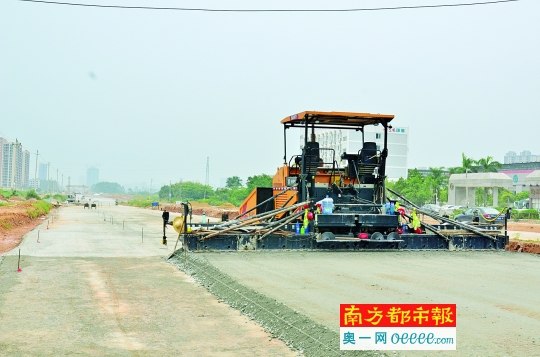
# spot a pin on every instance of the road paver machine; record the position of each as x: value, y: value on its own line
x: 324, y: 199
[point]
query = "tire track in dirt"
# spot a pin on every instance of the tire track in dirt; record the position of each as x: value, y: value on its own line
x: 104, y: 294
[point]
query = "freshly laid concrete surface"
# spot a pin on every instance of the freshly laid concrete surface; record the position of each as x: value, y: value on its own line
x: 497, y: 293
x: 97, y: 284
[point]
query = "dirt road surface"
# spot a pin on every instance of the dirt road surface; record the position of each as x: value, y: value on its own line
x: 96, y: 284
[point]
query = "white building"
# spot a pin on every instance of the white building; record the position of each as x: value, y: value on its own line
x: 25, y: 169
x: 525, y: 156
x: 12, y: 165
x: 350, y: 142
x: 2, y: 142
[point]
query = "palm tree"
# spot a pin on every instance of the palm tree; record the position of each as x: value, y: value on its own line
x: 437, y: 180
x: 488, y: 165
x: 467, y: 165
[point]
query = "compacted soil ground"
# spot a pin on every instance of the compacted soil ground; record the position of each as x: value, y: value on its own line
x: 98, y: 283
x: 95, y: 283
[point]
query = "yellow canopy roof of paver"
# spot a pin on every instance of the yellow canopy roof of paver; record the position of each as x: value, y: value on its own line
x: 338, y: 118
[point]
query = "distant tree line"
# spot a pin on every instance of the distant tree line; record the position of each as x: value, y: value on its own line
x: 433, y: 188
x: 234, y: 191
x: 107, y: 187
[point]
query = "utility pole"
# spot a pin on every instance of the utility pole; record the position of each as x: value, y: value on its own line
x: 467, y: 187
x: 57, y: 190
x: 180, y: 189
x: 48, y: 177
x: 62, y: 181
x: 150, y: 185
x: 35, y: 171
x: 207, y: 175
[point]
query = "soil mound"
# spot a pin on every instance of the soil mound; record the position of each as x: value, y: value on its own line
x: 523, y: 247
x: 210, y: 211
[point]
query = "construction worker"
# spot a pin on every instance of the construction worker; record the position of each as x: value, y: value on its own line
x: 415, y: 223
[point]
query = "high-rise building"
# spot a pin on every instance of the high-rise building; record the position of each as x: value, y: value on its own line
x: 524, y: 157
x: 42, y: 171
x: 2, y: 141
x: 92, y: 176
x: 350, y: 141
x: 25, y: 178
x: 12, y: 165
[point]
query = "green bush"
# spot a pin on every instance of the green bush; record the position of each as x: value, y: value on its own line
x: 526, y: 214
x: 10, y: 193
x: 59, y: 197
x: 140, y: 202
x: 32, y: 194
x: 213, y: 201
x: 456, y: 212
x: 39, y: 208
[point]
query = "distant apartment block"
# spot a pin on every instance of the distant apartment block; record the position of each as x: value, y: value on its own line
x: 2, y: 142
x: 15, y: 168
x: 25, y: 168
x: 524, y: 157
x: 92, y: 176
x: 42, y: 172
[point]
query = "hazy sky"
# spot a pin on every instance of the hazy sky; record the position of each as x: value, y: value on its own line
x: 149, y: 95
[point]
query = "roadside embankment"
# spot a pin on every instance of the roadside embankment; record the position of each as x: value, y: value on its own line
x: 18, y: 218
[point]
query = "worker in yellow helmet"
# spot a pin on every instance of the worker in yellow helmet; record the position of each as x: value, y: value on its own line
x: 415, y: 224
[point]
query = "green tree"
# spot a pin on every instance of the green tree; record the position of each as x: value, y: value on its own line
x: 467, y: 165
x: 437, y: 180
x: 186, y: 191
x: 522, y: 195
x: 234, y: 182
x: 488, y: 164
x: 262, y: 180
x: 107, y: 187
x: 508, y: 197
x: 416, y: 187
